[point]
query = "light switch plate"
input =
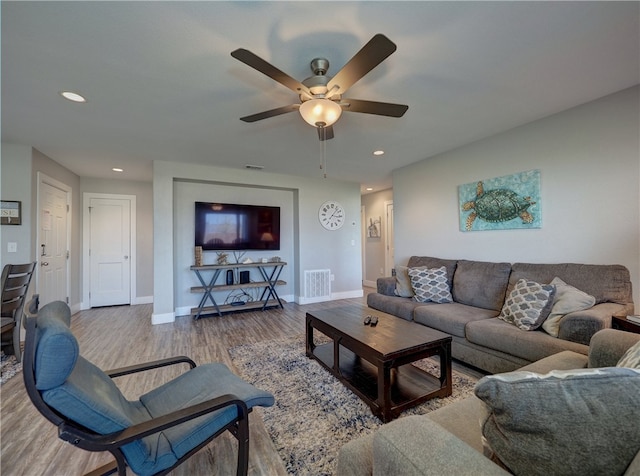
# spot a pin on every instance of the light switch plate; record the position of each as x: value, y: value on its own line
x: 12, y: 247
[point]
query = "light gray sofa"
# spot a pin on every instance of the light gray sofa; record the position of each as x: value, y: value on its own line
x: 479, y: 289
x: 449, y: 441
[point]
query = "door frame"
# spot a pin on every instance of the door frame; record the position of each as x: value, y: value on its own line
x: 363, y: 247
x: 389, y: 239
x: 45, y: 179
x: 86, y: 232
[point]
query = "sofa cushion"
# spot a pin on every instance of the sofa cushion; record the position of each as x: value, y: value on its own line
x: 395, y: 305
x: 528, y: 304
x: 531, y: 346
x: 563, y: 423
x: 429, y: 262
x: 631, y: 357
x: 607, y: 283
x: 567, y: 299
x: 403, y: 282
x: 417, y: 446
x: 451, y: 318
x: 430, y: 284
x: 481, y: 284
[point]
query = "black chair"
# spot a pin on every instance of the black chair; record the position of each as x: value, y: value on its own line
x: 15, y: 283
x: 151, y: 435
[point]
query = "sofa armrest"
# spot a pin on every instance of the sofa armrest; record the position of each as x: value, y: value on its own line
x: 416, y: 445
x: 355, y: 458
x: 580, y: 326
x: 386, y: 285
x: 608, y: 346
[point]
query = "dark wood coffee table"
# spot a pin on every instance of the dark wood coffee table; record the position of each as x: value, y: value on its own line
x: 375, y: 362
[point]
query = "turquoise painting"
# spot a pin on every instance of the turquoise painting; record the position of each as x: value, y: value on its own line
x: 501, y: 203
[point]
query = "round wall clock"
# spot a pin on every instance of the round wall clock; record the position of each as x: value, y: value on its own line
x: 331, y: 215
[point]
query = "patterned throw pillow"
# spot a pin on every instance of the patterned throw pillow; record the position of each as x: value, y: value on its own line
x: 528, y: 305
x: 430, y: 284
x: 631, y: 357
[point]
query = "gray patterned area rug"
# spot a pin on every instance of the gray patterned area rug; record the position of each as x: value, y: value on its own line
x: 8, y: 367
x: 314, y: 414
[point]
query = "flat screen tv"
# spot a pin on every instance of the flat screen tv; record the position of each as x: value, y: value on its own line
x: 226, y: 226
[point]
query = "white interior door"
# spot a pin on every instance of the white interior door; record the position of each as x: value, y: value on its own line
x: 109, y: 251
x: 389, y: 258
x: 53, y: 240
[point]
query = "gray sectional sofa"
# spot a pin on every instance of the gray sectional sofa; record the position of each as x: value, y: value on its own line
x: 479, y: 289
x: 449, y: 441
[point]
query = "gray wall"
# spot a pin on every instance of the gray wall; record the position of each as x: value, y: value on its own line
x: 313, y: 247
x: 16, y: 185
x: 589, y: 160
x: 19, y: 168
x: 185, y: 194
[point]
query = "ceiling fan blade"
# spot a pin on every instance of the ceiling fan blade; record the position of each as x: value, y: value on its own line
x: 370, y: 56
x: 270, y: 113
x: 373, y: 107
x: 253, y: 60
x: 325, y: 133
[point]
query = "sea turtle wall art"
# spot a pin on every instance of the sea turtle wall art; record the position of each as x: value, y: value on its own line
x: 501, y: 203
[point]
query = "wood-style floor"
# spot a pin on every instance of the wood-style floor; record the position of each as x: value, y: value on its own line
x: 119, y: 336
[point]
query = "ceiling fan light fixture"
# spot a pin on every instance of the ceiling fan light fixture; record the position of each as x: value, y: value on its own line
x: 321, y: 110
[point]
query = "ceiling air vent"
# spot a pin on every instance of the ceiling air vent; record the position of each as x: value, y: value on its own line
x: 253, y: 167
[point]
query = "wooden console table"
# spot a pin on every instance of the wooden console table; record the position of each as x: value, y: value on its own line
x: 270, y: 273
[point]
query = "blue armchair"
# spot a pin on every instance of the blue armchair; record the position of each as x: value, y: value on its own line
x: 151, y: 435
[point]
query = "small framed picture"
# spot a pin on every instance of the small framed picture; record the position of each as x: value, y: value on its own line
x: 11, y: 212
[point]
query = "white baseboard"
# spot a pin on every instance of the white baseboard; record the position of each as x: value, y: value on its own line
x: 165, y: 318
x: 369, y: 284
x: 303, y: 300
x: 182, y: 311
x: 347, y: 294
x: 142, y: 300
x: 334, y: 297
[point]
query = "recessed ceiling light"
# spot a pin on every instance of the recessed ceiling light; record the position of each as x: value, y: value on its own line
x: 368, y: 189
x: 378, y: 152
x: 117, y: 169
x: 71, y: 96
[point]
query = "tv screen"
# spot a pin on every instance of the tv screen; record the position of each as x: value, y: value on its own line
x: 226, y: 226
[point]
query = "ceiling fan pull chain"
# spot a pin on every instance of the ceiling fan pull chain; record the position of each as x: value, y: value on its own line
x: 323, y: 147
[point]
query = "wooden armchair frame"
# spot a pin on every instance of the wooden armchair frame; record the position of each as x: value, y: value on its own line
x: 89, y: 440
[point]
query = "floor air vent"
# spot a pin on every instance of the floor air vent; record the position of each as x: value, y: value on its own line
x: 317, y: 285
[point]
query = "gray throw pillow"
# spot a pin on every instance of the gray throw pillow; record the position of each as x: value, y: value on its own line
x: 403, y: 282
x: 528, y: 304
x: 430, y: 285
x: 567, y: 299
x: 562, y: 423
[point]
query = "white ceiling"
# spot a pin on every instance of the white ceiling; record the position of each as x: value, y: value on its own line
x: 161, y: 84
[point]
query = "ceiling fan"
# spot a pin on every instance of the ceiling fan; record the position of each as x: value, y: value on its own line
x: 321, y: 101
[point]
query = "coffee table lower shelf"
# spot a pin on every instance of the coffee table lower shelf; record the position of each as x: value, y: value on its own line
x: 410, y: 385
